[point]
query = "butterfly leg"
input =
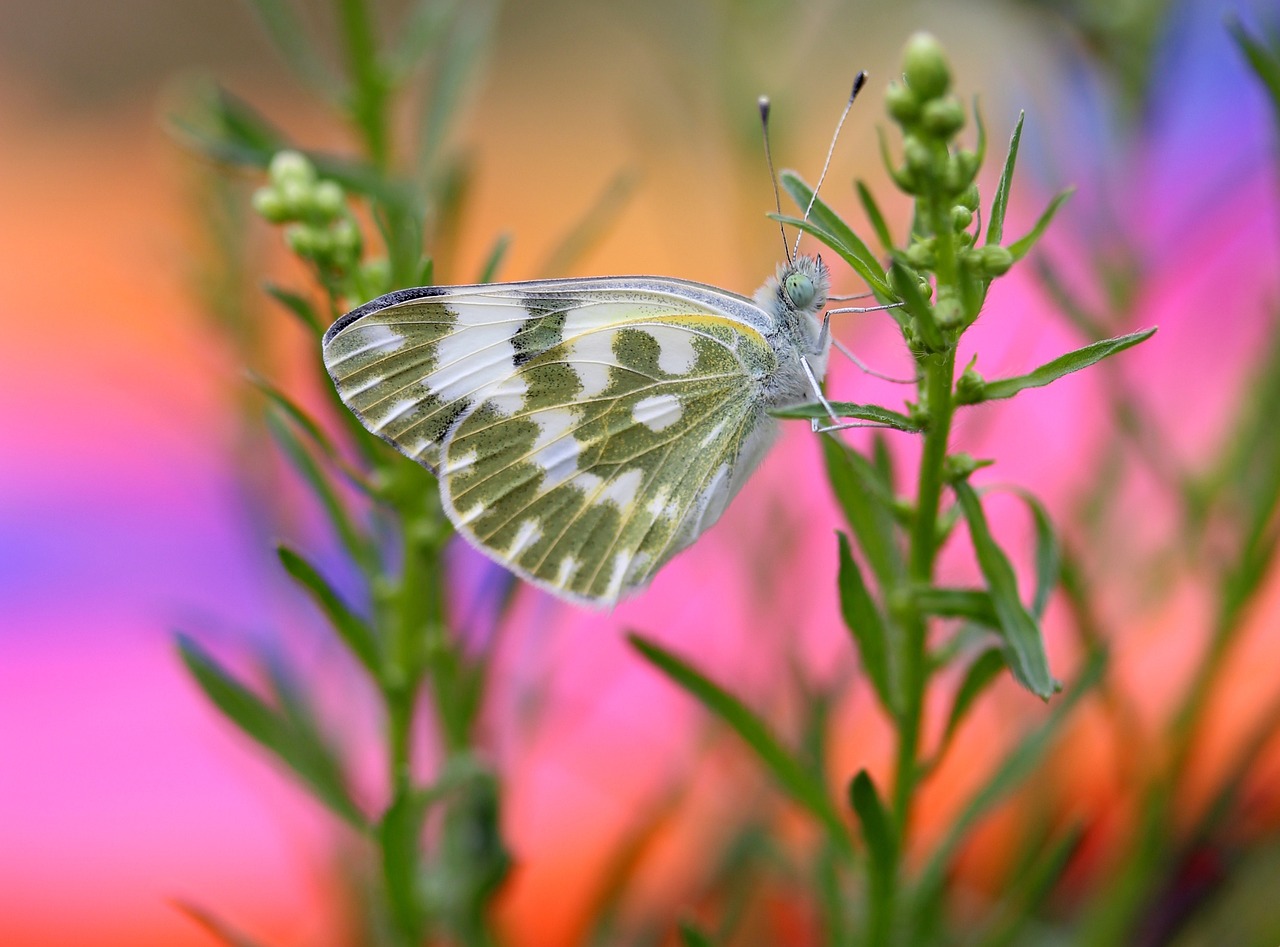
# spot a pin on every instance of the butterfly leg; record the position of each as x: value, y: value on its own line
x: 844, y: 350
x: 822, y: 399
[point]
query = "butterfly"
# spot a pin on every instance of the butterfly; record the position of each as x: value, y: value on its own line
x: 584, y: 431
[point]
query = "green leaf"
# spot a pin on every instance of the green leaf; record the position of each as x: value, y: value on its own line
x: 293, y: 412
x: 1000, y: 203
x: 274, y: 732
x: 1016, y: 766
x: 592, y: 227
x: 1062, y: 365
x: 906, y: 287
x: 460, y: 56
x: 1030, y: 888
x: 691, y: 936
x: 352, y: 629
x: 882, y: 851
x: 1026, y: 654
x: 972, y: 604
x: 1048, y: 553
x: 313, y: 475
x: 828, y: 224
x: 213, y: 925
x: 420, y: 37
x: 863, y: 619
x: 1020, y: 248
x: 794, y: 778
x: 877, y: 827
x: 980, y: 674
x: 867, y: 507
x: 849, y: 409
x: 1264, y: 62
x: 295, y: 47
x: 875, y: 217
x: 882, y: 460
x: 298, y: 306
x: 499, y: 252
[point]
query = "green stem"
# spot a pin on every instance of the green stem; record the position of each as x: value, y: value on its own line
x: 937, y: 385
x: 368, y: 84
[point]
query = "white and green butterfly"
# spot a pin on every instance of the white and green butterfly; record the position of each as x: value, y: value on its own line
x: 584, y: 431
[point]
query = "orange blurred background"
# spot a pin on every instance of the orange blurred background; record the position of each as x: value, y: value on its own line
x: 130, y: 504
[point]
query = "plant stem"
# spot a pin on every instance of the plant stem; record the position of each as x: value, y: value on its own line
x: 936, y: 388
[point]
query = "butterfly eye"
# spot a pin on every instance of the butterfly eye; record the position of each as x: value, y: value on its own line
x: 799, y: 289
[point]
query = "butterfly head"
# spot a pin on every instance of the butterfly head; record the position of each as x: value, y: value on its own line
x: 797, y: 294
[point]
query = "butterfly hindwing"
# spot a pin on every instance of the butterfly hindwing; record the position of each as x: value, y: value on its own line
x: 583, y: 430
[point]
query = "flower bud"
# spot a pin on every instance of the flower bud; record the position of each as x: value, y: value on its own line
x: 996, y: 260
x: 902, y: 103
x: 346, y: 237
x: 920, y: 254
x: 961, y: 217
x: 291, y: 165
x: 925, y: 67
x: 948, y: 312
x: 294, y: 195
x: 943, y: 117
x: 267, y: 202
x: 918, y: 156
x: 962, y: 167
x: 300, y: 239
x: 327, y: 199
x: 969, y: 197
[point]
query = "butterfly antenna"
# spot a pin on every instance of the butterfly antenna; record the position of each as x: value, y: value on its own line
x: 858, y: 82
x: 763, y: 103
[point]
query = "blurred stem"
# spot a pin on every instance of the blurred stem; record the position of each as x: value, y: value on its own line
x: 369, y: 90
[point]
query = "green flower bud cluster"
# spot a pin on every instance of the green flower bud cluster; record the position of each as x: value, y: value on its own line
x: 318, y: 224
x: 930, y: 118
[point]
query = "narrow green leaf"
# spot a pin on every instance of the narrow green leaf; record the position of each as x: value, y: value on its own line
x: 420, y: 37
x: 1062, y: 365
x: 1264, y: 62
x: 1029, y: 889
x: 867, y: 507
x: 877, y: 827
x: 460, y: 56
x: 298, y: 305
x: 1000, y: 203
x: 794, y: 778
x: 827, y: 219
x: 691, y: 936
x: 226, y: 129
x: 972, y: 604
x: 906, y: 287
x: 295, y: 47
x: 863, y: 619
x: 1020, y: 248
x: 882, y: 460
x: 1008, y: 775
x: 875, y: 217
x: 265, y: 725
x: 592, y: 227
x: 305, y: 464
x: 849, y: 409
x: 1021, y: 633
x: 882, y: 856
x: 980, y: 674
x: 293, y: 412
x: 1048, y: 553
x: 870, y: 275
x: 499, y: 252
x: 352, y: 629
x: 213, y: 925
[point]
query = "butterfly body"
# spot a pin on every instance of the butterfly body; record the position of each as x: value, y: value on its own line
x: 584, y: 431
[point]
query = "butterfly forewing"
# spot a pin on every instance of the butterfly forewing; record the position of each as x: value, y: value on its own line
x: 584, y: 431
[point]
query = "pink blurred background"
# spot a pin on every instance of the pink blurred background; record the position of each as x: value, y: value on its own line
x: 127, y: 508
